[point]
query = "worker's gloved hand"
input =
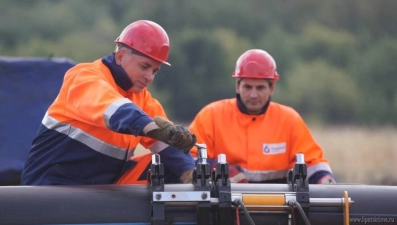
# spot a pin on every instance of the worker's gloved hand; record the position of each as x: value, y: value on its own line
x: 327, y: 179
x: 187, y: 177
x: 236, y: 175
x: 177, y: 136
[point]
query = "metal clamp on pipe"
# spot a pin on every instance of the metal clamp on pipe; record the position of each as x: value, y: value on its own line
x: 300, y: 184
x: 202, y: 175
x: 156, y: 184
x: 201, y: 181
x: 221, y: 189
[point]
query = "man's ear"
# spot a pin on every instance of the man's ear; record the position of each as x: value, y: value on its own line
x: 272, y: 88
x: 237, y: 85
x: 118, y: 56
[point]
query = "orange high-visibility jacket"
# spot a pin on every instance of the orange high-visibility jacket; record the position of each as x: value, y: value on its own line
x: 138, y: 174
x: 90, y: 130
x: 263, y: 145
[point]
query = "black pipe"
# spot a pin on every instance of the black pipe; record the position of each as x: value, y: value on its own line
x: 22, y: 205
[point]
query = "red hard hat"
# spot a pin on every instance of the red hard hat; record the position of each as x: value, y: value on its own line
x: 256, y: 63
x: 148, y: 38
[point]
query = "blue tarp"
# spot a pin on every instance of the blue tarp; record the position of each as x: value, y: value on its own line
x: 27, y: 87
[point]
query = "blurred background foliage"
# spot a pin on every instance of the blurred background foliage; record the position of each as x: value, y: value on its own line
x: 337, y: 59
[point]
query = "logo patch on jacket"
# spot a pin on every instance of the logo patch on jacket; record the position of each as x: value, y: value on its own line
x: 272, y: 149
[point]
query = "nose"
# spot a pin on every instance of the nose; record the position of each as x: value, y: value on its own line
x: 253, y: 94
x: 149, y: 76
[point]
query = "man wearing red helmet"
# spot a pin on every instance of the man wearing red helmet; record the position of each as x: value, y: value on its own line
x: 103, y: 111
x: 259, y: 137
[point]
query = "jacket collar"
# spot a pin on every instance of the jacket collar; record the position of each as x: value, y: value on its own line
x: 119, y: 75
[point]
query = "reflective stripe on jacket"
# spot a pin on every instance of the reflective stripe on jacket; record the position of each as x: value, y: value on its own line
x: 263, y: 145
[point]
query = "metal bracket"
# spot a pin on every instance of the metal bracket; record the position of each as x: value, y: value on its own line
x: 156, y: 184
x: 202, y: 183
x: 300, y: 184
x: 222, y: 190
x: 186, y: 196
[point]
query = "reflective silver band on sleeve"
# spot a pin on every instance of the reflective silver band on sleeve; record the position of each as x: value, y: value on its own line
x: 113, y: 108
x: 158, y: 146
x: 317, y: 167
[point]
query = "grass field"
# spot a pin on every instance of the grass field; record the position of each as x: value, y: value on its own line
x: 357, y: 154
x: 360, y: 155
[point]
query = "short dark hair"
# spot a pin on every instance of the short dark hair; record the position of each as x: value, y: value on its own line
x: 270, y: 81
x: 133, y: 51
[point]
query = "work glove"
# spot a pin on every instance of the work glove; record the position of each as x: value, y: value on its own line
x: 174, y: 135
x: 327, y: 179
x: 187, y: 177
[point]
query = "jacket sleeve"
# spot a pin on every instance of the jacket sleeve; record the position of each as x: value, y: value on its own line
x: 203, y: 127
x: 176, y: 161
x: 96, y: 102
x: 302, y: 141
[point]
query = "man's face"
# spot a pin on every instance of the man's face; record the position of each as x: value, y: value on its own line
x: 254, y: 93
x: 140, y: 69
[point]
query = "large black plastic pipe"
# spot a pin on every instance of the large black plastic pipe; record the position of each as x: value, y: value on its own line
x: 24, y: 205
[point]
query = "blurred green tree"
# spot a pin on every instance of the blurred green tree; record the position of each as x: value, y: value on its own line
x: 338, y: 47
x: 197, y: 75
x: 355, y: 37
x: 375, y: 72
x: 321, y: 92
